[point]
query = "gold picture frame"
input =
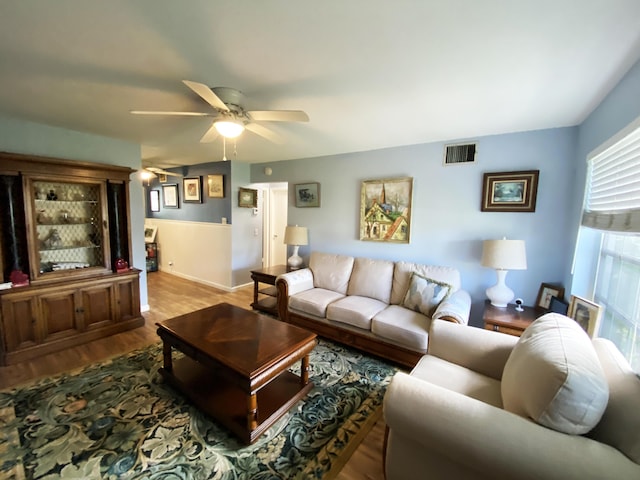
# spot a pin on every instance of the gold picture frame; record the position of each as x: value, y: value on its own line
x: 247, y: 197
x: 586, y: 313
x: 215, y: 186
x: 385, y: 210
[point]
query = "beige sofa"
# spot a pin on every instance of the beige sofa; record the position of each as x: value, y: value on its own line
x: 379, y: 306
x: 553, y: 404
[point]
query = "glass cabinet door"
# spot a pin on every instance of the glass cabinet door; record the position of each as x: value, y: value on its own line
x: 69, y: 227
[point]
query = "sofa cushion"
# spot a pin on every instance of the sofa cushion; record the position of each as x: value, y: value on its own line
x: 371, y: 278
x: 425, y: 294
x: 402, y: 327
x: 355, y: 310
x: 331, y: 271
x: 402, y: 276
x: 553, y: 376
x: 314, y: 301
x: 620, y: 424
x: 458, y: 379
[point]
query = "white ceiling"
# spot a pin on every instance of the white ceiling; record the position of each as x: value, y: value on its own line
x: 370, y: 73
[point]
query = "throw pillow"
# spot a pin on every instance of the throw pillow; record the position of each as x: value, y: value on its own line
x: 553, y: 376
x: 425, y: 294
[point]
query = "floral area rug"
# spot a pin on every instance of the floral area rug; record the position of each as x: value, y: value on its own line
x: 118, y: 420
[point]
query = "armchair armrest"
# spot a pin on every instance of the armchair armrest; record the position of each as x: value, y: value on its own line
x: 291, y: 283
x: 483, y: 351
x: 481, y: 438
x: 455, y: 308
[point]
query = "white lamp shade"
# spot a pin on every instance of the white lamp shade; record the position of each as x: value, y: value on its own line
x: 296, y: 235
x: 229, y: 129
x: 504, y: 254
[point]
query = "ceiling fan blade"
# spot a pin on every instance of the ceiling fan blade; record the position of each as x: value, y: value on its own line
x: 207, y: 94
x: 278, y: 115
x: 210, y: 135
x: 265, y: 133
x: 157, y: 171
x: 182, y: 114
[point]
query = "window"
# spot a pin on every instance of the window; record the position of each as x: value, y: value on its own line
x: 618, y: 290
x: 612, y: 209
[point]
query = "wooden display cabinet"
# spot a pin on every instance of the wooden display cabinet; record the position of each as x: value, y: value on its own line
x: 65, y: 237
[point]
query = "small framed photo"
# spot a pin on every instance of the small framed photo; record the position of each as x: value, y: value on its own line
x: 192, y: 189
x: 586, y: 313
x: 557, y: 305
x: 150, y: 233
x: 170, y: 196
x: 215, y: 186
x: 247, y: 197
x: 307, y: 194
x: 510, y: 191
x: 154, y: 200
x: 548, y: 290
x: 162, y: 177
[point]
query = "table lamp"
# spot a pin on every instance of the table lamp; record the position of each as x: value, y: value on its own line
x: 503, y: 255
x: 295, y: 236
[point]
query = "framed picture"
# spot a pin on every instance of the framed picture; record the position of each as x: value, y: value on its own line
x: 170, y: 196
x: 150, y: 233
x: 192, y: 189
x: 154, y: 200
x: 307, y: 194
x: 586, y: 313
x: 385, y: 210
x: 557, y: 305
x: 548, y: 290
x: 247, y: 197
x: 510, y: 191
x: 162, y: 177
x: 215, y: 186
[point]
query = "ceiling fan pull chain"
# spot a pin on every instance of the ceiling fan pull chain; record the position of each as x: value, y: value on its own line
x: 224, y: 149
x: 235, y: 150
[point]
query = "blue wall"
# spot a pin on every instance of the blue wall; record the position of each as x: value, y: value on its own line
x: 210, y: 210
x: 447, y: 225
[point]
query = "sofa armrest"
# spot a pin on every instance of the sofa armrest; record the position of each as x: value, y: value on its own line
x: 481, y: 438
x: 289, y: 284
x: 483, y: 351
x: 455, y: 308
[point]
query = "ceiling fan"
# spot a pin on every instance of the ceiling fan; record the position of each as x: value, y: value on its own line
x: 158, y: 171
x: 230, y: 117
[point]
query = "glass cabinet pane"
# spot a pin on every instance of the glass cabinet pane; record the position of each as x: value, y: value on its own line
x: 68, y: 221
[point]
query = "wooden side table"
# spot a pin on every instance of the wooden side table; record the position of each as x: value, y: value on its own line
x: 264, y: 299
x: 508, y: 320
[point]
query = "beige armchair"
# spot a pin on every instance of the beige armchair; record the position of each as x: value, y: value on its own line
x: 486, y: 405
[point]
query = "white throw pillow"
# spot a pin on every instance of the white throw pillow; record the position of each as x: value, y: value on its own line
x: 425, y: 294
x: 553, y: 376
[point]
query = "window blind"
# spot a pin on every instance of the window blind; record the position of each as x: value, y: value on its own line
x: 612, y: 198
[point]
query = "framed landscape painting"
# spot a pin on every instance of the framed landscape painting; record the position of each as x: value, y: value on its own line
x: 510, y: 191
x: 307, y: 194
x: 385, y: 210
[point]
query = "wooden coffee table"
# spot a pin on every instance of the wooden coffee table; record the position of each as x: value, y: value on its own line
x: 235, y: 365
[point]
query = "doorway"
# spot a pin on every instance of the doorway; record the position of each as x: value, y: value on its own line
x: 276, y: 202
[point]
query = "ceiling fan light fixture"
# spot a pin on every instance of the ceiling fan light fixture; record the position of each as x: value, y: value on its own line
x: 229, y: 128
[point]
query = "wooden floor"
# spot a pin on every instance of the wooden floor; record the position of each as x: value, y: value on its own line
x: 170, y: 296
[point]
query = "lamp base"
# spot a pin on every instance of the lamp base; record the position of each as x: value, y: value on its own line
x: 500, y: 295
x: 294, y: 262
